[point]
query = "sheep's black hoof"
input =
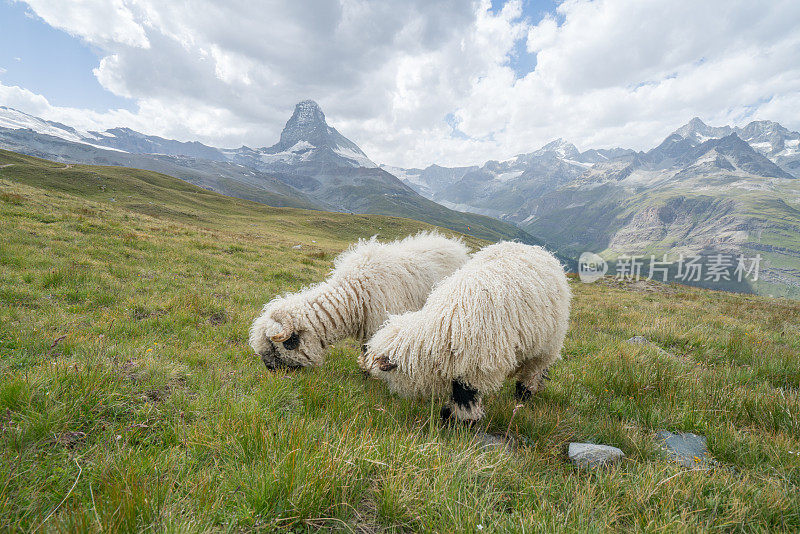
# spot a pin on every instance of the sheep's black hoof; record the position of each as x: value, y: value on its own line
x: 522, y: 393
x: 450, y: 420
x: 446, y: 414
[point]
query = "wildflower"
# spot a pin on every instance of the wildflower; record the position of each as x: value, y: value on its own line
x: 696, y: 459
x: 148, y: 350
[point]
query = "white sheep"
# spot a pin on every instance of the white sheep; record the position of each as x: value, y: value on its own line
x: 504, y: 313
x: 370, y: 281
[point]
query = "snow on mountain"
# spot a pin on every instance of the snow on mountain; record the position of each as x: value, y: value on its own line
x: 356, y: 155
x: 767, y: 138
x: 699, y: 132
x: 309, y: 126
x: 17, y: 120
x: 562, y: 149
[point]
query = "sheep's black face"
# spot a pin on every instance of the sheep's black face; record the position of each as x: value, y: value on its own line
x: 272, y: 358
x: 293, y: 342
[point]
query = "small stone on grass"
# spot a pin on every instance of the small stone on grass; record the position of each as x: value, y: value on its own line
x: 590, y: 455
x: 490, y: 441
x: 687, y: 449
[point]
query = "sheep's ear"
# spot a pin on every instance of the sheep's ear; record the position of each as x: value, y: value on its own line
x: 384, y: 364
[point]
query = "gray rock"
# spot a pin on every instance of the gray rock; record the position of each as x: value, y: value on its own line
x: 687, y: 449
x: 590, y: 455
x: 638, y: 340
x: 491, y: 441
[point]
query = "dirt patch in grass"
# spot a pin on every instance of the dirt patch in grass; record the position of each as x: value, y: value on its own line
x: 161, y: 394
x: 158, y: 395
x: 218, y: 317
x: 140, y: 313
x: 12, y: 198
x: 318, y: 255
x: 367, y: 516
x: 71, y: 440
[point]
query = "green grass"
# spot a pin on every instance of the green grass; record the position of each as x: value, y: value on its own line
x: 130, y: 401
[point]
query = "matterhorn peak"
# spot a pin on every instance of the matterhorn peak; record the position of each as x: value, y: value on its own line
x: 308, y: 124
x: 307, y: 133
x: 308, y: 112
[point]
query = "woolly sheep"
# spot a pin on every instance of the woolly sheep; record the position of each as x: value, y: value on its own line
x: 504, y: 313
x: 370, y: 281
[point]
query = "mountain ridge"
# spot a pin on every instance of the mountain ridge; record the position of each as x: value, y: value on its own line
x: 312, y: 166
x: 729, y: 189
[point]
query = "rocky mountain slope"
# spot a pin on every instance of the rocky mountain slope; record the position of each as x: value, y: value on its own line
x: 704, y: 190
x: 311, y: 166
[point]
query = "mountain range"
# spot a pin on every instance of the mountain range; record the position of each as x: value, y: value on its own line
x: 703, y: 190
x: 311, y: 166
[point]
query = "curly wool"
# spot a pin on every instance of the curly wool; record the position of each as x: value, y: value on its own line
x: 370, y: 281
x: 505, y: 312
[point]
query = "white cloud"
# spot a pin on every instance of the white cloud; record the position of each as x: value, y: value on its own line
x: 100, y: 22
x: 387, y: 74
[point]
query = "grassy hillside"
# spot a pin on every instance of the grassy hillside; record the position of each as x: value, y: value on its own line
x: 170, y: 200
x: 703, y: 214
x: 215, y: 175
x: 375, y: 191
x: 130, y: 401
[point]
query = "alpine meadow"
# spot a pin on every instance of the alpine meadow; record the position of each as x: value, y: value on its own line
x: 400, y: 266
x: 131, y: 401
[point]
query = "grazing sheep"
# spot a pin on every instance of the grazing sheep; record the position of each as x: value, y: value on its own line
x: 370, y: 281
x: 505, y: 313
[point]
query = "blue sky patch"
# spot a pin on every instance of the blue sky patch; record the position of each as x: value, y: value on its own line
x: 51, y: 62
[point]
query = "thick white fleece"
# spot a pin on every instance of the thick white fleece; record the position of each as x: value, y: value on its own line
x: 370, y: 281
x: 505, y: 311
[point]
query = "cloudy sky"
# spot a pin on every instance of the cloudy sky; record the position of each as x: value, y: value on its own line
x: 412, y: 82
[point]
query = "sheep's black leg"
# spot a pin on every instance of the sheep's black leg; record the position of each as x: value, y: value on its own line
x: 465, y: 404
x: 523, y: 392
x: 361, y: 361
